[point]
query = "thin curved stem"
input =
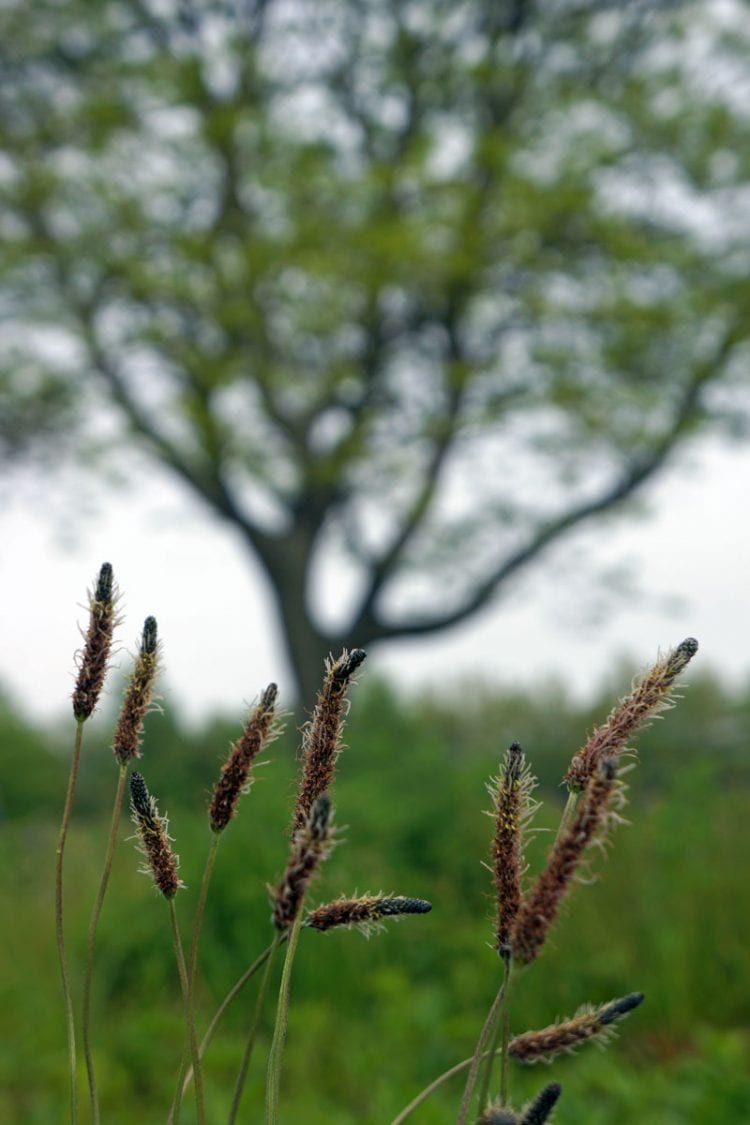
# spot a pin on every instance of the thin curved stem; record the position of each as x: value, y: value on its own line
x: 234, y: 991
x: 59, y: 921
x: 273, y: 1081
x: 481, y: 1051
x: 568, y: 812
x: 90, y: 943
x: 499, y: 1045
x: 252, y: 1032
x: 428, y: 1091
x: 189, y: 1014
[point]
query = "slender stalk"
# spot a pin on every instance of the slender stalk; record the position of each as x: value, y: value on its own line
x: 59, y: 926
x: 90, y: 943
x: 428, y: 1091
x: 273, y: 1081
x: 189, y: 1014
x: 252, y: 1032
x: 482, y: 1049
x: 174, y: 1113
x: 499, y: 1044
x: 219, y: 1014
x: 568, y: 812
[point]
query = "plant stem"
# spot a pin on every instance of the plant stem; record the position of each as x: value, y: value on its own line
x: 481, y: 1050
x: 568, y: 812
x: 423, y: 1095
x: 218, y: 1015
x: 189, y: 1014
x: 90, y: 942
x: 59, y: 927
x: 252, y: 1032
x: 273, y: 1081
x: 499, y: 1043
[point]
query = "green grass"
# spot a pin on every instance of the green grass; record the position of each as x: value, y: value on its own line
x: 372, y: 1022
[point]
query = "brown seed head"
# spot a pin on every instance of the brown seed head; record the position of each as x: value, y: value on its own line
x: 138, y: 696
x: 512, y: 807
x: 649, y: 696
x: 589, y: 1023
x: 92, y: 663
x: 541, y: 905
x: 540, y: 1109
x: 321, y: 741
x: 312, y: 844
x: 235, y: 774
x: 155, y: 842
x: 366, y: 911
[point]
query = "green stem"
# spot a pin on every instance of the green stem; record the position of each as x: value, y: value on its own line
x: 230, y: 996
x: 252, y: 1032
x: 174, y: 1113
x: 504, y: 1041
x: 482, y: 1049
x: 428, y: 1091
x: 568, y: 812
x: 59, y: 926
x: 189, y: 1014
x: 90, y: 943
x: 273, y: 1081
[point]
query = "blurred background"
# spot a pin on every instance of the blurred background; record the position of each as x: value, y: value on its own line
x: 421, y: 327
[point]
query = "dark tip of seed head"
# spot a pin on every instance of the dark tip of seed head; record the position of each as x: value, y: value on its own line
x: 400, y: 904
x: 543, y: 1104
x: 139, y: 794
x: 105, y: 583
x: 269, y: 696
x: 619, y: 1008
x: 345, y: 668
x: 150, y: 637
x: 514, y: 761
x: 689, y: 646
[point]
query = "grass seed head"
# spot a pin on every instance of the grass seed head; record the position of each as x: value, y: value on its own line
x: 366, y: 912
x: 512, y: 807
x: 139, y: 696
x: 94, y: 658
x: 235, y: 775
x: 311, y: 846
x: 588, y: 1024
x: 156, y: 846
x: 538, y: 1111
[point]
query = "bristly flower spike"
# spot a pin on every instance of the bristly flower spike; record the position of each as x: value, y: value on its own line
x: 152, y: 829
x: 138, y: 696
x: 92, y: 665
x: 589, y: 1024
x: 538, y: 1112
x: 542, y: 903
x: 312, y: 844
x: 649, y: 696
x: 322, y: 735
x: 236, y: 772
x: 366, y: 912
x: 512, y: 807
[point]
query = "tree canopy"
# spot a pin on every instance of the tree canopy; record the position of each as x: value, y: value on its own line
x: 423, y: 283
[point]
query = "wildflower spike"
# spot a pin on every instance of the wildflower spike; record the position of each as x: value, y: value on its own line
x: 312, y: 844
x: 512, y: 806
x: 588, y: 1024
x: 235, y: 773
x: 540, y: 1109
x: 138, y: 696
x: 92, y: 665
x: 322, y: 735
x: 365, y: 911
x: 541, y: 905
x: 649, y: 696
x: 155, y: 842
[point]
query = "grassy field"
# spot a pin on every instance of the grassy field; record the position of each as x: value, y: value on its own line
x: 374, y: 1021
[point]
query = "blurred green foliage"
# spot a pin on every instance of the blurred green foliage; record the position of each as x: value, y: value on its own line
x: 372, y: 1022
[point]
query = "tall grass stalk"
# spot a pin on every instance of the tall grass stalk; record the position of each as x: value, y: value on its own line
x: 253, y: 1032
x: 189, y: 1014
x: 273, y: 1080
x: 482, y: 1051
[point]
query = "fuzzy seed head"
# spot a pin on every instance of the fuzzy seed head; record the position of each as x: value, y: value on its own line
x: 588, y: 1024
x: 321, y: 743
x: 94, y: 658
x: 538, y: 1112
x: 650, y: 695
x: 365, y: 912
x: 235, y: 776
x: 155, y: 842
x: 512, y: 808
x: 311, y: 846
x: 138, y: 696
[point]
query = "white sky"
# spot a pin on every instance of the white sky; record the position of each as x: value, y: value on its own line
x: 690, y: 559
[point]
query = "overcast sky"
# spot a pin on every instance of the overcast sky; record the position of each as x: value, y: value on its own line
x: 690, y: 562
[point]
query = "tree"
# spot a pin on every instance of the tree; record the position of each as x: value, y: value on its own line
x: 428, y: 283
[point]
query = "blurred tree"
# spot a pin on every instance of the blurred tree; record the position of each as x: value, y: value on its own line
x: 425, y: 283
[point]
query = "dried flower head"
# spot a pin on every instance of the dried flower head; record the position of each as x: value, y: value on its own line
x: 366, y: 912
x: 649, y: 696
x: 155, y: 841
x: 93, y: 660
x: 138, y: 696
x: 235, y: 774
x: 538, y: 1111
x: 321, y: 741
x: 312, y: 844
x: 512, y: 806
x: 542, y: 903
x: 587, y: 1024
